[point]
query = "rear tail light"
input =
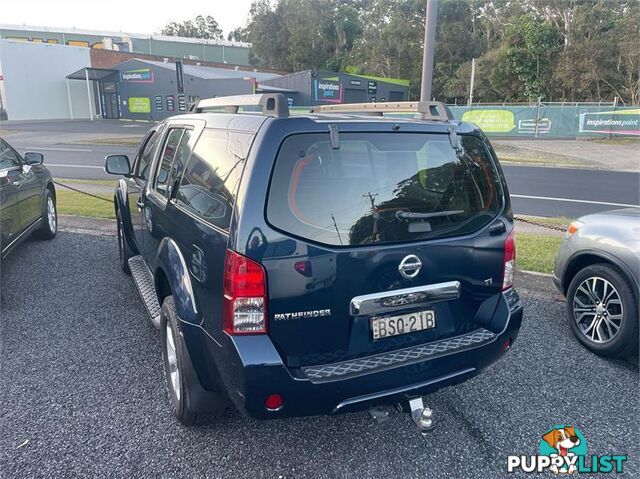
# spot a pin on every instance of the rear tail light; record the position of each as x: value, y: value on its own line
x: 244, y: 304
x: 509, y: 260
x: 304, y: 268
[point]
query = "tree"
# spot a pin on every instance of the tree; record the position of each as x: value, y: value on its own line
x: 239, y: 34
x: 579, y: 50
x: 532, y: 44
x: 201, y: 27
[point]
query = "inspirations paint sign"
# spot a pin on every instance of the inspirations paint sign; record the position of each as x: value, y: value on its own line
x: 327, y: 89
x: 621, y: 122
x: 142, y: 75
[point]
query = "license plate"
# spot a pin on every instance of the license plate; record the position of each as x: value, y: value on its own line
x: 406, y: 323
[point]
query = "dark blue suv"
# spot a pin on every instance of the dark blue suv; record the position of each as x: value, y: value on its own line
x: 318, y: 263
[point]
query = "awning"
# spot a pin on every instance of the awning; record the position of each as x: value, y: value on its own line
x: 260, y: 88
x: 91, y: 74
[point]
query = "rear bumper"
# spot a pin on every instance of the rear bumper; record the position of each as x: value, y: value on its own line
x: 251, y: 370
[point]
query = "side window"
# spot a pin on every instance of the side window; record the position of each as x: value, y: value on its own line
x: 145, y: 158
x: 211, y: 177
x: 8, y: 157
x: 169, y: 152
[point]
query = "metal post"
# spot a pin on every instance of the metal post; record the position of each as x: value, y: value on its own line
x: 537, y: 116
x: 69, y: 98
x: 86, y: 75
x: 613, y: 112
x: 473, y: 78
x: 431, y: 14
x: 96, y: 92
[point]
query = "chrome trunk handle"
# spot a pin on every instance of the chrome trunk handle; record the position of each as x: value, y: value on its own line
x: 388, y: 301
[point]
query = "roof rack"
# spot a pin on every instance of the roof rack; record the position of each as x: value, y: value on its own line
x: 428, y: 110
x: 271, y: 104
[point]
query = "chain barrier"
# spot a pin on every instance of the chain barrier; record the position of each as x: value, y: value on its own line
x: 537, y: 223
x: 519, y: 218
x: 83, y: 192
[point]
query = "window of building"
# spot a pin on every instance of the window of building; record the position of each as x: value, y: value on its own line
x: 77, y: 43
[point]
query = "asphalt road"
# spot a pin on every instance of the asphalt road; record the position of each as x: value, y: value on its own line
x: 67, y: 157
x: 536, y: 191
x: 570, y: 192
x: 82, y: 394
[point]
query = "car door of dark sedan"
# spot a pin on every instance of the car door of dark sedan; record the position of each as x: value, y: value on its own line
x: 11, y: 223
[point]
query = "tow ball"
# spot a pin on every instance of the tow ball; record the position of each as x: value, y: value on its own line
x: 422, y: 415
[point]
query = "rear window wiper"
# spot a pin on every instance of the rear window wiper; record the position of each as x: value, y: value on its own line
x: 409, y: 216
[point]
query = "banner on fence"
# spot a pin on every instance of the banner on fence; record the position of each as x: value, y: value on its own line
x: 552, y: 121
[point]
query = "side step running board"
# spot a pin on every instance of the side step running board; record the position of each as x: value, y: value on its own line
x: 143, y: 280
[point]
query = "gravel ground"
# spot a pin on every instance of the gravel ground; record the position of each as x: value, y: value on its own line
x: 83, y: 394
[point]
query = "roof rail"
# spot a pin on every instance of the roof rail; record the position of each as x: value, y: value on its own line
x: 428, y: 110
x: 271, y: 104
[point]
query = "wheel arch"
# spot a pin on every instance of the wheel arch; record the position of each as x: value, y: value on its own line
x: 172, y: 278
x: 49, y: 186
x: 581, y: 260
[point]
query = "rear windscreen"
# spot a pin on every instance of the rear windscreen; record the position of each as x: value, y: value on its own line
x: 382, y: 187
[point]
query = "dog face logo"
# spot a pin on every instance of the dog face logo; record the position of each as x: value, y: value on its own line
x: 563, y: 450
x: 562, y: 439
x: 564, y: 442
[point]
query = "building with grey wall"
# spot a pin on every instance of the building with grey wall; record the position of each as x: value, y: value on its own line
x: 153, y: 90
x: 312, y: 87
x: 33, y: 85
x: 209, y: 50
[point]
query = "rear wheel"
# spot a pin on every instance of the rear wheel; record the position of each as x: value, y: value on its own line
x: 603, y: 312
x: 49, y: 226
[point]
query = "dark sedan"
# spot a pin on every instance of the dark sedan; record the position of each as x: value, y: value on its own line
x: 27, y: 198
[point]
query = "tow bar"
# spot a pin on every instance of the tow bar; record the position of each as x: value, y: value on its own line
x: 422, y: 415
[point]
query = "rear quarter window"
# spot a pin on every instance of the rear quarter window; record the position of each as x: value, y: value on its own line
x: 382, y: 188
x: 210, y: 182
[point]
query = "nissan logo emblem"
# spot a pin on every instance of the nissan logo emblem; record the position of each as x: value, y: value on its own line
x: 410, y: 266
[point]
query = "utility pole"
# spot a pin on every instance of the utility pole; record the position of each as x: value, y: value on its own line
x: 473, y: 80
x: 371, y: 199
x: 431, y: 16
x: 374, y: 213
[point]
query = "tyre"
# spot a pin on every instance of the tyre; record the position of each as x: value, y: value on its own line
x: 603, y: 311
x: 124, y: 251
x: 49, y: 226
x: 173, y: 355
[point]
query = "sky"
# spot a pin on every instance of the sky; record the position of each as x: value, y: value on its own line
x: 133, y: 16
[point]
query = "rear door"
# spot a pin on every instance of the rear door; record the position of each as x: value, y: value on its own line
x: 138, y: 180
x: 201, y: 211
x: 392, y: 245
x: 175, y: 151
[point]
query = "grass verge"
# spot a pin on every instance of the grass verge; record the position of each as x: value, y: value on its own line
x: 536, y: 252
x: 77, y: 204
x: 113, y: 141
x: 112, y: 183
x: 618, y: 141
